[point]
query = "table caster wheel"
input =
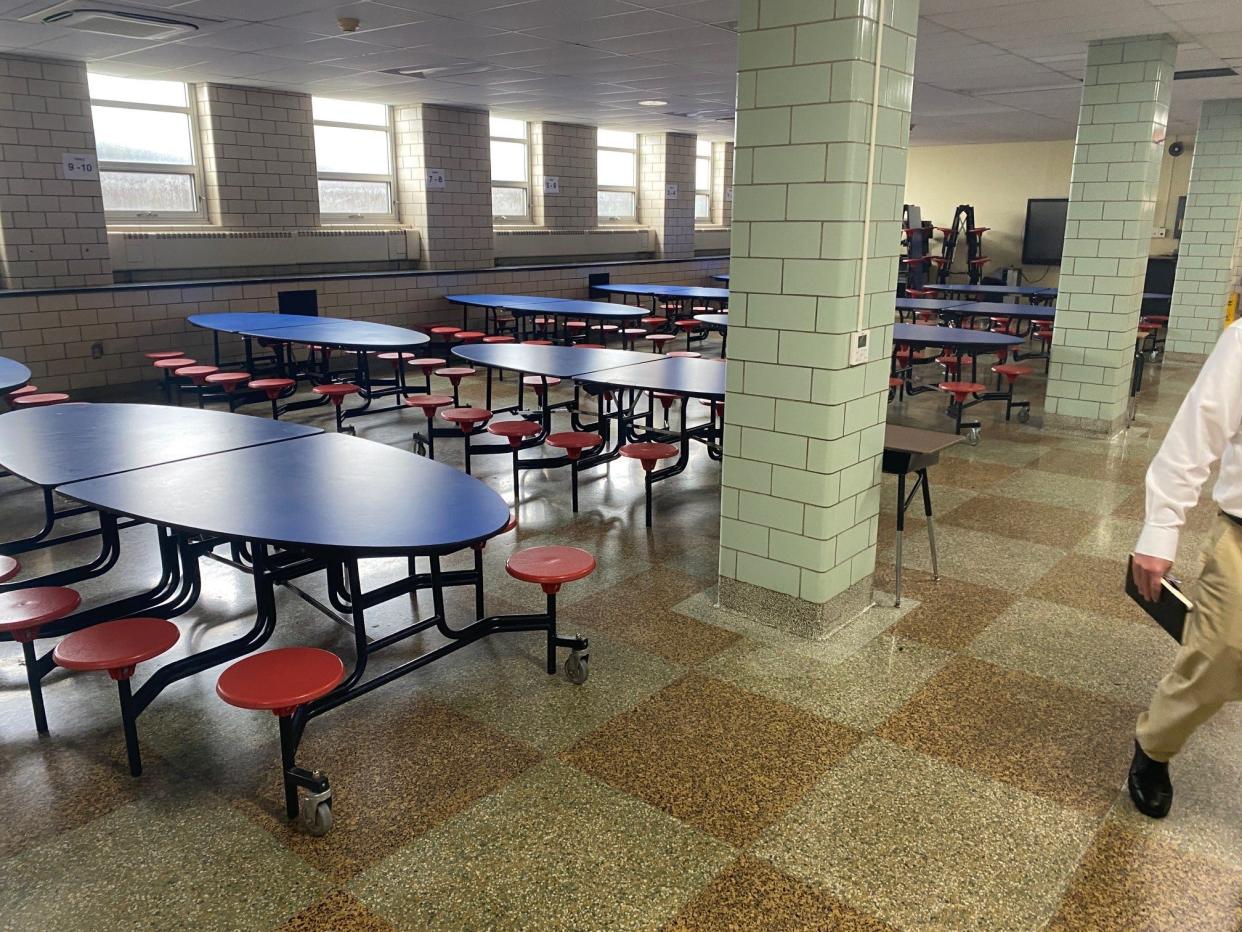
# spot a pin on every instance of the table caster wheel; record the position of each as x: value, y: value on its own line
x: 1154, y: 355
x: 352, y: 431
x: 576, y: 668
x: 1024, y: 415
x: 316, y: 816
x: 972, y: 436
x: 420, y: 445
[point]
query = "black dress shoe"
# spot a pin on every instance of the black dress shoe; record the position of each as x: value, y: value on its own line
x: 1149, y: 784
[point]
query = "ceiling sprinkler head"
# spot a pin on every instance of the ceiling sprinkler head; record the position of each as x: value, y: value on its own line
x: 348, y: 23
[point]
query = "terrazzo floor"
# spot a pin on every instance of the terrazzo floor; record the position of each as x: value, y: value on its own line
x: 957, y: 763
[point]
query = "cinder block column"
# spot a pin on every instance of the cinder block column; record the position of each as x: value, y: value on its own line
x: 664, y: 159
x: 454, y: 223
x: 722, y: 183
x: 52, y: 231
x: 1121, y: 125
x: 258, y: 157
x: 567, y: 153
x: 804, y: 430
x: 1209, y: 231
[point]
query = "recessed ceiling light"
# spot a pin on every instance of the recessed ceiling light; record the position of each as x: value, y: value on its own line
x: 653, y: 103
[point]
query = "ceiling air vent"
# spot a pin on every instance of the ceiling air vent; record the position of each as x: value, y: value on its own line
x: 455, y: 70
x: 1197, y: 73
x: 112, y: 20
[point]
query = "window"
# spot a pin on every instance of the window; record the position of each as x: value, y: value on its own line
x: 147, y: 148
x: 510, y: 171
x: 353, y: 154
x: 618, y: 176
x: 703, y: 181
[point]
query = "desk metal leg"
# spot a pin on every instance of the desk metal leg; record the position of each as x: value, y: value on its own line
x: 931, y: 526
x: 901, y: 527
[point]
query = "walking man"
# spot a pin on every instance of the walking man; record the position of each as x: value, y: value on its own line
x: 1208, y: 670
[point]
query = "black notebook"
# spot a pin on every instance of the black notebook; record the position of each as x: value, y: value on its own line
x: 1169, y: 611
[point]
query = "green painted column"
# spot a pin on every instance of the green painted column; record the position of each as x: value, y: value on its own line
x: 1121, y: 126
x: 1210, y: 228
x: 813, y: 260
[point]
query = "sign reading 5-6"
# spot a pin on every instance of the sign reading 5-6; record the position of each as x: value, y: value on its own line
x: 79, y: 167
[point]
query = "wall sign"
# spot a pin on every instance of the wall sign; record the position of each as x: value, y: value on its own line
x: 79, y: 166
x: 435, y: 179
x: 729, y: 194
x: 670, y: 192
x: 551, y: 184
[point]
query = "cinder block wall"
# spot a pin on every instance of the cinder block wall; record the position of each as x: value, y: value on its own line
x: 51, y: 228
x: 568, y: 153
x: 258, y: 157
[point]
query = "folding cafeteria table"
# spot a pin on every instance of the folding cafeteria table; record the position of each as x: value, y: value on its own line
x: 668, y: 293
x: 12, y: 374
x: 51, y: 447
x: 288, y: 510
x: 1031, y: 293
x: 357, y: 336
x: 911, y: 306
x: 561, y: 309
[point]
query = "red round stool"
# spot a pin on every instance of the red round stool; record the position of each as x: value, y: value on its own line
x: 501, y: 338
x: 542, y: 323
x: 229, y: 381
x: 575, y: 325
x: 428, y: 404
x: 336, y: 392
x: 164, y: 354
x: 537, y: 343
x: 427, y: 365
x: 169, y: 364
x: 551, y: 568
x: 574, y: 443
x: 1000, y: 323
x: 894, y: 386
x: 21, y: 393
x: 197, y: 376
x: 273, y: 389
x: 666, y: 400
x: 39, y: 400
x: 540, y: 384
x: 654, y: 321
x: 281, y: 681
x: 22, y: 613
x: 687, y: 326
x: 118, y: 647
x: 961, y: 392
x: 444, y: 332
x: 455, y: 374
x: 469, y: 420
x: 630, y: 334
x: 649, y: 453
x: 951, y: 364
x: 515, y: 432
x: 1011, y: 373
x: 8, y: 568
x: 659, y: 340
x: 684, y: 354
x: 471, y: 336
x: 396, y: 359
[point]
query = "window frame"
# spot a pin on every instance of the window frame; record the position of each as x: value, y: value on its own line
x: 194, y: 170
x: 710, y: 159
x: 634, y: 154
x: 504, y: 219
x: 346, y: 219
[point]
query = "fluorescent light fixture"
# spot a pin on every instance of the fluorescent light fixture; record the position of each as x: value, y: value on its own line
x: 653, y: 103
x: 1195, y: 74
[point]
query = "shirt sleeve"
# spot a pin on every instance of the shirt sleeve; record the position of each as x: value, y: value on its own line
x: 1209, y: 417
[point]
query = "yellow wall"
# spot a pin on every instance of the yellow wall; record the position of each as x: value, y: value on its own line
x: 998, y: 178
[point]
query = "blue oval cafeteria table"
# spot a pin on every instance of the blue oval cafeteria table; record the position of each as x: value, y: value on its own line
x: 282, y: 331
x: 287, y: 510
x: 679, y: 294
x: 525, y: 307
x: 12, y: 374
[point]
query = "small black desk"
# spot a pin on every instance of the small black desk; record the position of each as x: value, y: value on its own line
x: 913, y: 450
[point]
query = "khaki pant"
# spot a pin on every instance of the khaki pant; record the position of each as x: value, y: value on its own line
x: 1208, y: 670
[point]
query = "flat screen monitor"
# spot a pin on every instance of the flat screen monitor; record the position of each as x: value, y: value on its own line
x: 1044, y: 238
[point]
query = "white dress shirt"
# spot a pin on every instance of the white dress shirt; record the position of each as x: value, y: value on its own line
x: 1208, y: 427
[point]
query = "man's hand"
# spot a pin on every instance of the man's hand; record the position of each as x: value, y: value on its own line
x: 1148, y: 571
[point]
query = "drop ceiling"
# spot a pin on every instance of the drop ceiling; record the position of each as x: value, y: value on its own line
x: 987, y: 70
